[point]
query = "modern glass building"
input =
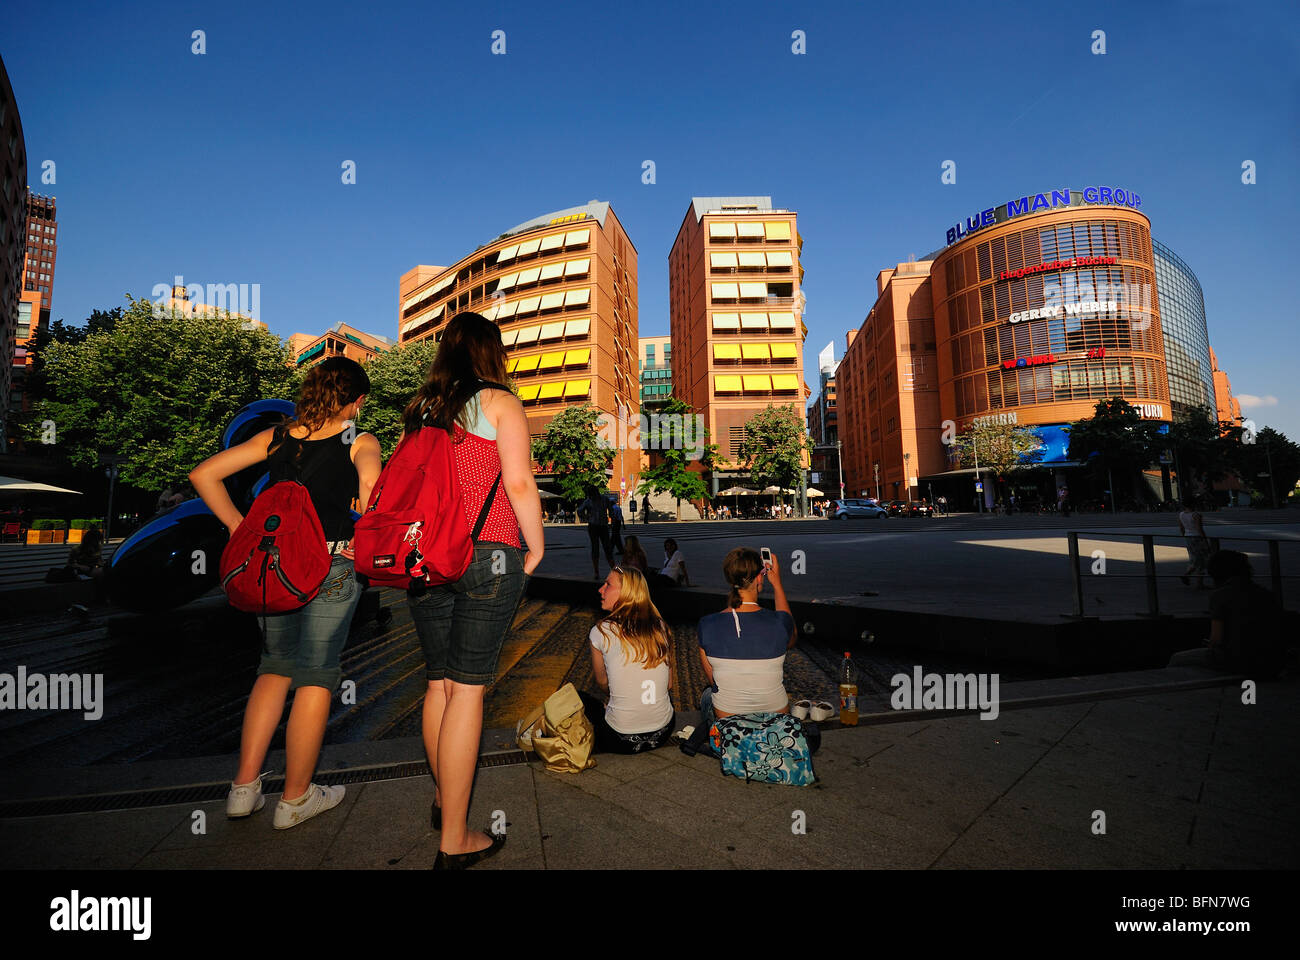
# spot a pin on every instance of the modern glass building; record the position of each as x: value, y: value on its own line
x: 1187, y: 338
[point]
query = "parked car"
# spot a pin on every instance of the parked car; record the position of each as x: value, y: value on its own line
x: 896, y: 508
x: 921, y: 508
x: 844, y: 509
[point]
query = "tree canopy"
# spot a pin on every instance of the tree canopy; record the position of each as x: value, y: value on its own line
x: 573, y: 453
x: 157, y: 388
x: 395, y: 376
x: 775, y: 441
x: 669, y: 471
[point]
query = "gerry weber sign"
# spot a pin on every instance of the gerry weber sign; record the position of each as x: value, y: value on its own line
x: 1112, y: 196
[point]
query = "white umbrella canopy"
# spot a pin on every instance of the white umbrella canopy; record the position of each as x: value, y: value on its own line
x: 737, y: 492
x: 773, y: 489
x: 814, y: 492
x: 30, y: 486
x: 547, y: 495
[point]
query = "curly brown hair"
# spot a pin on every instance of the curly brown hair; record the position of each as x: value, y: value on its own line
x: 327, y: 389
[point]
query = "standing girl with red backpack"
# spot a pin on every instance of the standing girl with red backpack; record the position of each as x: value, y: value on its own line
x: 301, y: 648
x: 463, y: 624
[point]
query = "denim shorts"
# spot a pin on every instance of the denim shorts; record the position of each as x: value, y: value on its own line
x: 462, y: 626
x: 305, y: 644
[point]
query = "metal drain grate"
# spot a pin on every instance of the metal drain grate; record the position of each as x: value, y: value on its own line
x: 209, y: 792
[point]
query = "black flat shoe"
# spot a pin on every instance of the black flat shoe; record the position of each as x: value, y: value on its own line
x: 435, y: 816
x: 461, y: 861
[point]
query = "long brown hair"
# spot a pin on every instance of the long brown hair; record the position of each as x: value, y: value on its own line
x: 740, y: 567
x: 328, y: 388
x: 637, y: 623
x: 470, y: 351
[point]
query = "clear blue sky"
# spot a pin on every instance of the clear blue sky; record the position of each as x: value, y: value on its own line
x: 225, y: 167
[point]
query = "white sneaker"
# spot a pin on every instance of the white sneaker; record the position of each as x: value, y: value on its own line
x: 245, y: 799
x: 318, y: 799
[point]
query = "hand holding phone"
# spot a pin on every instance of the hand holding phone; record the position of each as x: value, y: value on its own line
x: 766, y: 554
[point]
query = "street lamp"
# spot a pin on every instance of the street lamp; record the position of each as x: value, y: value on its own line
x: 876, y: 467
x: 839, y: 464
x: 907, y: 475
x: 979, y: 488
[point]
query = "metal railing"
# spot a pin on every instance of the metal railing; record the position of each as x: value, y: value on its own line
x: 1149, y: 562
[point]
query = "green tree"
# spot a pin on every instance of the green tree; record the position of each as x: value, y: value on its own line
x: 1271, y: 456
x: 395, y: 376
x: 1202, y: 446
x: 99, y: 321
x: 672, y: 451
x: 572, y: 451
x: 775, y: 441
x: 1117, y: 441
x: 1001, y: 447
x: 157, y: 388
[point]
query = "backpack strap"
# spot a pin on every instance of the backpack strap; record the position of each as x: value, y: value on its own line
x: 487, y: 504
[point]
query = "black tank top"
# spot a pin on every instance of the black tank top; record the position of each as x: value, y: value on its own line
x: 327, y: 471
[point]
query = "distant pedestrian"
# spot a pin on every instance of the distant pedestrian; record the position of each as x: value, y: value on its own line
x: 673, y: 573
x: 634, y: 555
x: 616, y: 526
x: 1191, y: 526
x: 596, y: 508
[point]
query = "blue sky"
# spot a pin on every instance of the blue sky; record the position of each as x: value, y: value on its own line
x: 226, y: 167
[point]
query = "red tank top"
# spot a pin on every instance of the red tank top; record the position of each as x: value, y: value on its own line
x: 477, y: 466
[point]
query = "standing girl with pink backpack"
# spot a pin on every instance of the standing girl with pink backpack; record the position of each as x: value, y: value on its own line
x: 301, y: 647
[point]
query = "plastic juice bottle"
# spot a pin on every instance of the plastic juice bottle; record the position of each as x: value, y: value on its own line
x: 848, y: 692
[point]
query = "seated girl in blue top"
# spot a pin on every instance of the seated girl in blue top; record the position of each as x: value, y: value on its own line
x: 743, y: 648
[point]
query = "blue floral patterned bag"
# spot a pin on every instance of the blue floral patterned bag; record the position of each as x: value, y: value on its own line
x: 765, y: 747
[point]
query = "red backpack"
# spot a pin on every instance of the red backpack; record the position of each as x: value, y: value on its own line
x: 414, y: 529
x: 276, y: 559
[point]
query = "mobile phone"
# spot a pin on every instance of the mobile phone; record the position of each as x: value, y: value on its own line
x: 766, y: 554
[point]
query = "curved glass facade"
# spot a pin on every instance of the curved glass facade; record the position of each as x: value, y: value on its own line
x: 1187, y: 338
x: 1046, y: 315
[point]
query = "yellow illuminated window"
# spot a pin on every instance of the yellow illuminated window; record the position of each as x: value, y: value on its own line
x: 726, y: 351
x: 527, y: 364
x: 777, y: 230
x: 754, y: 351
x: 757, y: 383
x: 724, y: 384
x: 550, y: 391
x: 551, y: 361
x: 577, y: 357
x: 577, y: 388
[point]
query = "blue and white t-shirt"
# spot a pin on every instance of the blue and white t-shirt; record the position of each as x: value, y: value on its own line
x: 746, y: 650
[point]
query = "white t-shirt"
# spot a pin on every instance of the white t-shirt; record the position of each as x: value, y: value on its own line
x: 673, y: 567
x: 630, y: 684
